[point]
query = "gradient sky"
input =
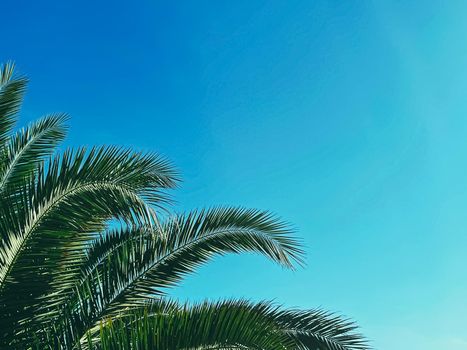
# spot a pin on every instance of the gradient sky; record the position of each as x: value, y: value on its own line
x: 347, y: 118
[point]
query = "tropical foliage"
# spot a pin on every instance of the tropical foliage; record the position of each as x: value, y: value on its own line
x: 89, y: 249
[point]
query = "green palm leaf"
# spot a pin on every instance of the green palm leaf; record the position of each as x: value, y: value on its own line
x: 27, y: 147
x: 230, y: 324
x: 11, y: 94
x: 86, y: 257
x: 63, y: 206
x: 125, y: 268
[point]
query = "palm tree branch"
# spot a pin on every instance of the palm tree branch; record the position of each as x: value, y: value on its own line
x: 75, y: 196
x: 228, y: 324
x: 26, y: 148
x: 144, y: 264
x: 11, y: 95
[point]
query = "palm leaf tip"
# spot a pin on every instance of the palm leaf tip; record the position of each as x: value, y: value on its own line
x: 12, y: 88
x: 322, y: 330
x: 7, y: 71
x: 236, y: 230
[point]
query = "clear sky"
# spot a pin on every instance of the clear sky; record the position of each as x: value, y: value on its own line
x: 347, y: 118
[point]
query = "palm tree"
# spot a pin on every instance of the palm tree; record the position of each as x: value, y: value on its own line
x: 89, y: 249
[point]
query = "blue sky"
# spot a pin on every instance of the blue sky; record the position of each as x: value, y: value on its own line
x: 347, y: 118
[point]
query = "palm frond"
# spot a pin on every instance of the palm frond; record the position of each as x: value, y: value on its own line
x: 11, y: 95
x: 59, y: 211
x: 319, y: 329
x: 192, y: 239
x: 229, y: 324
x: 6, y: 73
x: 86, y: 259
x: 23, y: 152
x: 169, y: 325
x: 125, y: 268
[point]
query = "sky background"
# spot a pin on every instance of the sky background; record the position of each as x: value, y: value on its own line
x: 347, y: 118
